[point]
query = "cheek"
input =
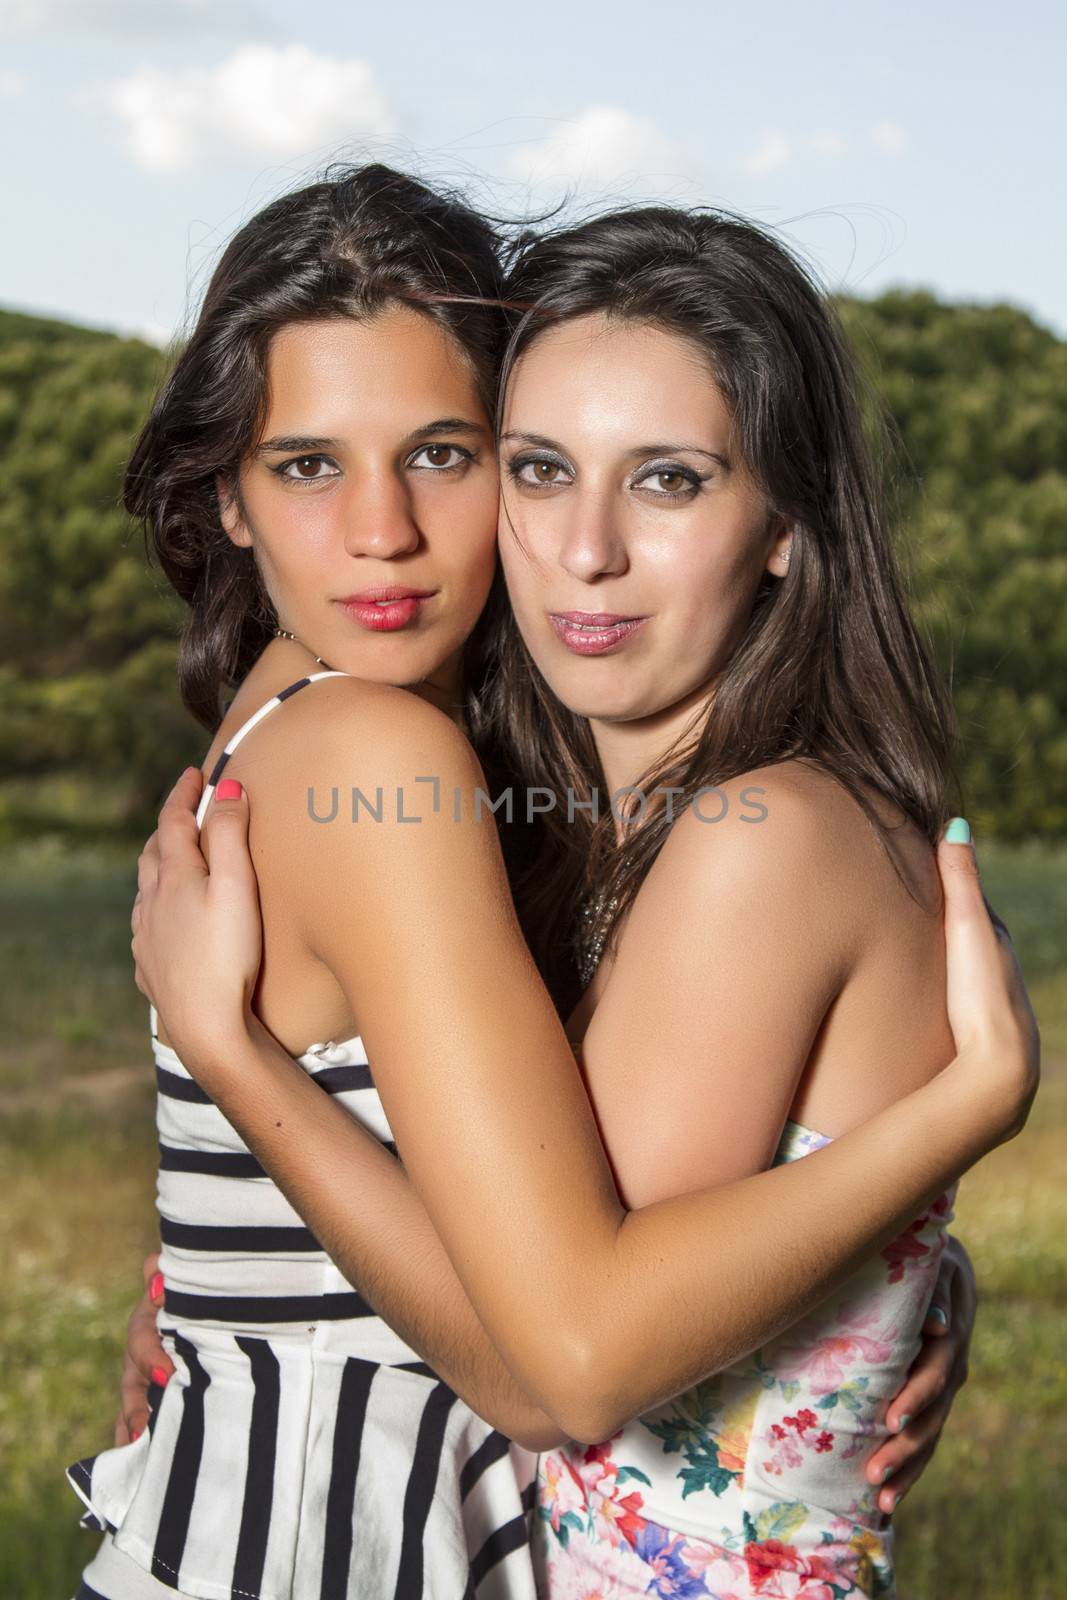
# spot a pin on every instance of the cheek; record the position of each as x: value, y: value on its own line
x: 461, y: 547
x: 703, y: 569
x: 291, y: 527
x: 523, y: 576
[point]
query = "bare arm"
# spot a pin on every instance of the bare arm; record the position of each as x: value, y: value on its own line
x: 570, y: 1286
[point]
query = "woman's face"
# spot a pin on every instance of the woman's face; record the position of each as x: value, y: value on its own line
x: 370, y: 499
x: 632, y: 536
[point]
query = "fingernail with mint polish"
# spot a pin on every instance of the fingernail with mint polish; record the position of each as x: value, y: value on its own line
x: 958, y: 831
x: 939, y: 1314
x: 903, y: 1422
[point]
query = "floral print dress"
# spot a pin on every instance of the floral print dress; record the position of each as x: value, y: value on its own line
x: 752, y: 1483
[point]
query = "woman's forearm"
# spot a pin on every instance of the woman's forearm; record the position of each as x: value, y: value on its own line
x: 657, y: 1300
x: 361, y: 1204
x: 378, y: 1232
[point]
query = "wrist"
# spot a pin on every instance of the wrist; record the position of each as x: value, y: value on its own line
x: 989, y: 1091
x: 207, y: 1049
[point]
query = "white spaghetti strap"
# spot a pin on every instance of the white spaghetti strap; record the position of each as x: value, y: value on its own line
x: 246, y: 727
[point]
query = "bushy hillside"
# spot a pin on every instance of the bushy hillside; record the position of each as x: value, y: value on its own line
x: 979, y: 396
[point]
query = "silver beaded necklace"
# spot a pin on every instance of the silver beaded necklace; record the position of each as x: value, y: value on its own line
x: 591, y: 934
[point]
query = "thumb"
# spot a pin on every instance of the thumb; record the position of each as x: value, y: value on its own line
x: 958, y: 864
x: 939, y: 1312
x: 224, y: 836
x: 973, y: 965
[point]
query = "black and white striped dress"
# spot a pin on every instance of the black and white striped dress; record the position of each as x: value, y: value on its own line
x: 301, y: 1450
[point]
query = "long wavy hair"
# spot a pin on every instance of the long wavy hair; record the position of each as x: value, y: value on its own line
x: 359, y: 240
x: 831, y: 668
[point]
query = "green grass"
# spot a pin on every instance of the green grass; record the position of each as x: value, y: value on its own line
x: 76, y: 1217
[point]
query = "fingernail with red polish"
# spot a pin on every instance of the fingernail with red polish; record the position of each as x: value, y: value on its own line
x: 228, y: 789
x: 155, y: 1286
x: 160, y: 1377
x: 135, y: 1435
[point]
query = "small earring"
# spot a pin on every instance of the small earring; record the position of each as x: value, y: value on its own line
x: 786, y: 553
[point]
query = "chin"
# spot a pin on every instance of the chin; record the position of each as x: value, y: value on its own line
x: 620, y: 707
x: 408, y: 655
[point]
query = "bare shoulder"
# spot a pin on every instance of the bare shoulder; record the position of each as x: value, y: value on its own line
x: 791, y: 815
x: 347, y: 731
x: 337, y: 775
x: 794, y: 832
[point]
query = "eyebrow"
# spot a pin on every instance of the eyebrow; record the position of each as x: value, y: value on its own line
x: 296, y: 444
x: 639, y: 451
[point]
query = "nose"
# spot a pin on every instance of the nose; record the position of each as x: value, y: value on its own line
x: 379, y: 518
x: 592, y: 544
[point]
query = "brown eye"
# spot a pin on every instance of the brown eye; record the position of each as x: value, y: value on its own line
x: 307, y: 469
x: 669, y: 483
x: 440, y: 458
x: 539, y: 471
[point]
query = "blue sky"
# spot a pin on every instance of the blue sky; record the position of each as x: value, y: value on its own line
x: 918, y: 143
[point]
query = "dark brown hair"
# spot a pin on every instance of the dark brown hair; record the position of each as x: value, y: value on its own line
x: 831, y: 667
x: 359, y: 240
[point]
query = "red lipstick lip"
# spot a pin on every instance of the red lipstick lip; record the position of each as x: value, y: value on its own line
x: 391, y: 591
x: 390, y: 608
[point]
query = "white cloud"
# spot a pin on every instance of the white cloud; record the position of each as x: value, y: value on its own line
x: 890, y: 137
x: 601, y: 146
x: 828, y: 143
x: 264, y: 100
x: 11, y: 83
x: 130, y: 19
x: 773, y: 151
x: 156, y: 333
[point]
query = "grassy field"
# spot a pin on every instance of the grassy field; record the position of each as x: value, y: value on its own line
x: 76, y: 1217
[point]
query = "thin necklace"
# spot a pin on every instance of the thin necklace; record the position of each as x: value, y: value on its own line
x: 280, y: 633
x: 283, y: 633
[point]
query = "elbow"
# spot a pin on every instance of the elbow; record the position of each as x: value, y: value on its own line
x: 588, y: 1418
x: 582, y: 1394
x: 537, y: 1432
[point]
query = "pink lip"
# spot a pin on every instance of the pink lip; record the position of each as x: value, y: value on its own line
x: 594, y: 633
x: 385, y: 609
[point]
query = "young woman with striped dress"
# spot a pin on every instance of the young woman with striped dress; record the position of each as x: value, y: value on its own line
x: 599, y: 1313
x: 309, y: 337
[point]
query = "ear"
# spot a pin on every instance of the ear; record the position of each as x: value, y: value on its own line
x: 230, y: 513
x: 782, y: 534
